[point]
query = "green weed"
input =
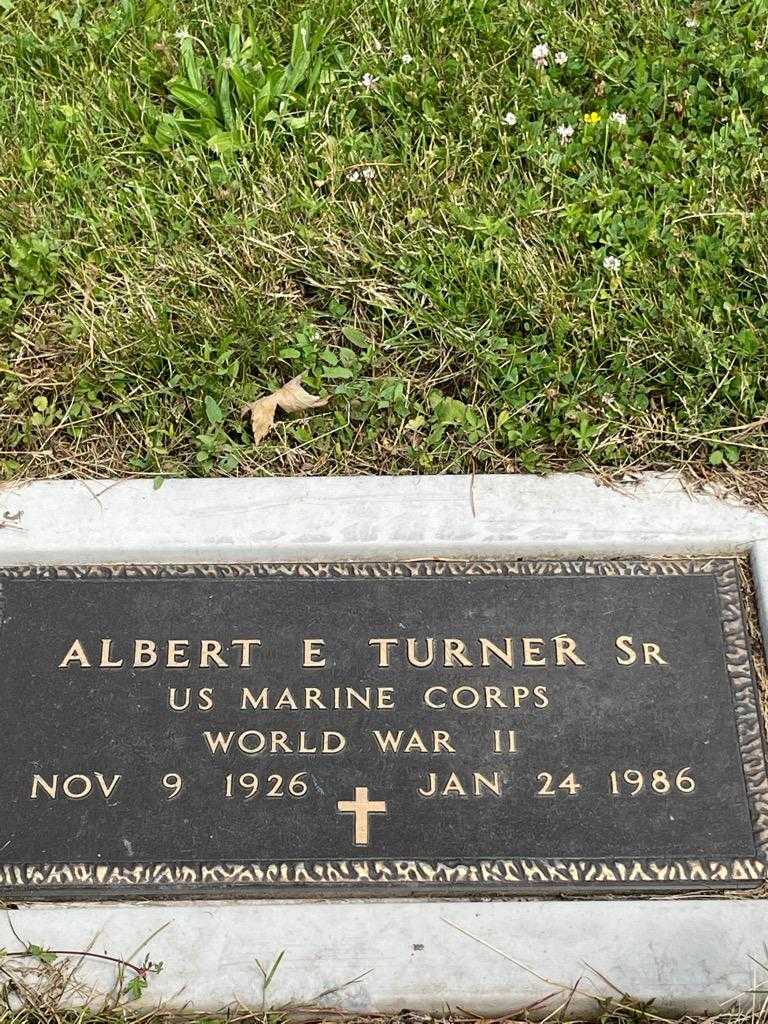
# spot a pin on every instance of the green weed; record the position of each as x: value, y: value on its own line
x: 489, y: 264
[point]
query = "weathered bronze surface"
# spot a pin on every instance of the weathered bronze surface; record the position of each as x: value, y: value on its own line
x: 378, y: 728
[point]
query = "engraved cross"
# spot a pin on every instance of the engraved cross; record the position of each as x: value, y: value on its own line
x: 361, y: 807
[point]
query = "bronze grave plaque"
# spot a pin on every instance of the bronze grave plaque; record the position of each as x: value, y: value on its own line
x: 436, y: 727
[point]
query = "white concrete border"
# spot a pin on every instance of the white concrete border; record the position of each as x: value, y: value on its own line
x: 365, y: 517
x: 490, y: 956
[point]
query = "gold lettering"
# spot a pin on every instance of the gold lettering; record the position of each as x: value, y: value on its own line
x: 219, y: 741
x: 313, y: 657
x: 74, y: 787
x: 75, y: 653
x: 84, y: 785
x: 384, y: 643
x: 493, y: 697
x: 413, y: 657
x: 258, y: 738
x: 389, y: 740
x: 252, y: 742
x: 245, y: 650
x: 474, y: 697
x: 176, y: 652
x: 340, y: 740
x: 363, y: 699
x: 416, y: 743
x: 624, y: 644
x: 106, y: 656
x: 442, y: 742
x: 392, y: 741
x: 210, y: 650
x: 455, y: 653
x: 38, y: 782
x: 480, y: 780
x: 260, y: 703
x: 144, y: 653
x: 565, y: 648
x: 432, y: 786
x: 540, y: 698
x: 285, y: 700
x: 106, y: 789
x: 204, y: 698
x: 511, y: 746
x: 428, y: 696
x: 173, y: 702
x: 532, y: 650
x: 454, y: 786
x: 507, y: 655
x: 280, y: 742
x: 652, y: 652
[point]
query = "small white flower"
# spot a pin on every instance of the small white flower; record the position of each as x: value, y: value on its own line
x: 510, y: 119
x: 353, y: 176
x: 227, y: 63
x: 406, y: 59
x: 561, y: 57
x: 368, y: 81
x: 539, y: 54
x: 182, y: 33
x: 691, y: 22
x: 619, y: 117
x: 369, y: 173
x: 565, y: 131
x: 612, y: 264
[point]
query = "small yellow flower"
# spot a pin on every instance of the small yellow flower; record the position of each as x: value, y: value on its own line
x: 592, y: 118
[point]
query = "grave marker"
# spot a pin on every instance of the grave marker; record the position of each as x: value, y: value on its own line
x: 374, y: 728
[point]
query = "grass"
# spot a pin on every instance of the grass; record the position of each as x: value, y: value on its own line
x: 202, y: 199
x: 612, y: 1013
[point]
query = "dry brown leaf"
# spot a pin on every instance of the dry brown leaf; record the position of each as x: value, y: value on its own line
x: 291, y: 397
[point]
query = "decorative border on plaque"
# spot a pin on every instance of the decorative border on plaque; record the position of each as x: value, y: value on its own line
x: 513, y: 873
x: 413, y: 568
x: 749, y: 726
x: 518, y: 872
